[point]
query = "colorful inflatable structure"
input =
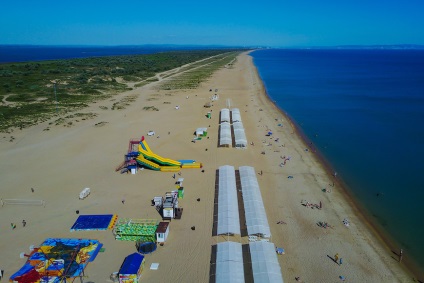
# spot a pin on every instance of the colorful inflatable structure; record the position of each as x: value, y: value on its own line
x: 57, y: 260
x: 139, y: 153
x: 144, y: 230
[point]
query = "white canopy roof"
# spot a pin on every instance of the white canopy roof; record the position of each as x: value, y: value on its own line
x: 256, y: 219
x: 265, y: 264
x: 200, y: 131
x: 225, y: 134
x: 229, y: 263
x: 239, y: 134
x: 235, y: 115
x: 228, y: 213
x: 225, y: 115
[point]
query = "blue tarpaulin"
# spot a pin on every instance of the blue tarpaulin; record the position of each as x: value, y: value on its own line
x: 131, y: 264
x: 92, y: 222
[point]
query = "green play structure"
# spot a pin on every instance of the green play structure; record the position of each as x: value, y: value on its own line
x: 127, y: 229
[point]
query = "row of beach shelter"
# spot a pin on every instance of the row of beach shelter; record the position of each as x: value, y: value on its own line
x: 228, y: 212
x: 230, y: 265
x: 229, y: 260
x: 226, y: 140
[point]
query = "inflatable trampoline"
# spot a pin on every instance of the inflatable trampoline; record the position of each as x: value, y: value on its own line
x: 146, y: 247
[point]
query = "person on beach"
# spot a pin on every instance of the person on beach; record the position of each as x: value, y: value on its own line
x: 400, y: 255
x: 336, y: 257
x: 123, y: 201
x: 341, y: 261
x: 13, y: 225
x: 23, y: 223
x: 32, y: 190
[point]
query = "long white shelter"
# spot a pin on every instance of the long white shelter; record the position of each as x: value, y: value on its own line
x: 228, y: 213
x: 239, y: 135
x: 225, y: 115
x: 265, y: 264
x: 229, y: 263
x: 225, y: 138
x: 256, y: 219
x: 235, y: 115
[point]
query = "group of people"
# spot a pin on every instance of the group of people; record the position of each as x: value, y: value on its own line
x: 311, y: 205
x: 13, y: 225
x: 346, y: 222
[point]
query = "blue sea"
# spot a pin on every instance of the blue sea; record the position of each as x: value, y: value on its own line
x: 363, y: 110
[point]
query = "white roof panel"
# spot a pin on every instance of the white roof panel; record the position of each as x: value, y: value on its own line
x: 229, y: 263
x: 225, y: 115
x: 256, y: 219
x: 239, y: 134
x: 265, y: 264
x: 228, y: 213
x: 235, y: 115
x: 225, y: 137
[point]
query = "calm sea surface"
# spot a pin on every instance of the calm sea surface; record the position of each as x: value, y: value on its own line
x: 364, y: 111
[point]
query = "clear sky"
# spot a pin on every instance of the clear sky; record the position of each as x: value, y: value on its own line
x: 231, y: 22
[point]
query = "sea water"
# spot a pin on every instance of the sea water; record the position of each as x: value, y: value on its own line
x: 364, y: 112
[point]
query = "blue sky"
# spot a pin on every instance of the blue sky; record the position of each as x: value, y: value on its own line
x: 258, y: 23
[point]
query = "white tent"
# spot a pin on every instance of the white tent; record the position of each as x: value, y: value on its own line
x: 229, y: 263
x: 235, y: 115
x: 239, y: 135
x: 201, y: 131
x: 256, y: 219
x: 228, y: 213
x: 225, y: 138
x: 265, y: 264
x: 225, y: 115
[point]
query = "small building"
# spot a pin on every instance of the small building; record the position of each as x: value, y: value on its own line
x: 162, y: 232
x: 158, y: 201
x: 179, y: 183
x: 131, y: 268
x: 169, y: 205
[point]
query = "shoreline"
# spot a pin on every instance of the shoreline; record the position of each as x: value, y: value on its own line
x: 385, y: 239
x: 60, y: 162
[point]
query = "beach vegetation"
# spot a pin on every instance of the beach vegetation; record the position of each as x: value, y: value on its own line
x: 32, y: 92
x: 150, y: 108
x: 190, y: 77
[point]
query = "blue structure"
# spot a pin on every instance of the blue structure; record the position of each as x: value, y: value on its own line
x: 131, y: 268
x: 94, y: 222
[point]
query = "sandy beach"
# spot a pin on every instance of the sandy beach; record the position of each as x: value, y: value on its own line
x: 60, y: 162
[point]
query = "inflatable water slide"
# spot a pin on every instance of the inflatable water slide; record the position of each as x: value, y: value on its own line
x: 153, y: 161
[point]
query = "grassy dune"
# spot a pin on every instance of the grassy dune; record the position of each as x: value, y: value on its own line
x: 27, y: 89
